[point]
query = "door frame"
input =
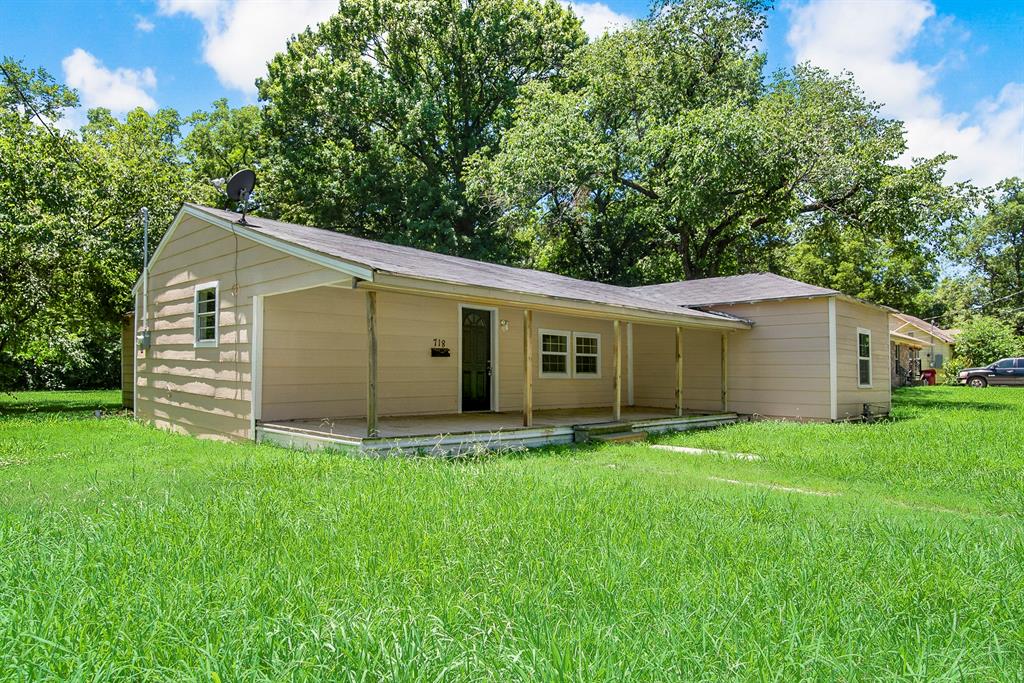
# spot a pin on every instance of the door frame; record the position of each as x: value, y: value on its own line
x: 495, y: 365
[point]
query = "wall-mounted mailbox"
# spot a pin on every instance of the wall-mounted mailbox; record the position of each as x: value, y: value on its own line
x: 440, y: 352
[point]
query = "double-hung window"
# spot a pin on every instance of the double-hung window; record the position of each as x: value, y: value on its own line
x: 554, y: 353
x: 863, y: 358
x: 587, y: 352
x: 206, y: 318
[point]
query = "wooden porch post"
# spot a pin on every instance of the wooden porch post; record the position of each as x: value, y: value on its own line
x: 617, y: 381
x: 371, y: 376
x: 679, y: 372
x: 527, y: 368
x: 725, y: 372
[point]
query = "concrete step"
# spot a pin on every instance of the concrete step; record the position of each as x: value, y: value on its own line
x: 604, y: 428
x: 621, y: 437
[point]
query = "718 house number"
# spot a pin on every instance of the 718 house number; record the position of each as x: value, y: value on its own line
x: 440, y: 349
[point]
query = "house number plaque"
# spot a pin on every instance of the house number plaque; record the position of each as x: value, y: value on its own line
x: 440, y: 349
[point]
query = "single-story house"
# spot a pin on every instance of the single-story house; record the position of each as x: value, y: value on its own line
x: 934, y: 344
x: 250, y: 328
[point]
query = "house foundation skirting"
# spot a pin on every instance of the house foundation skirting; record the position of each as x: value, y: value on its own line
x: 299, y: 434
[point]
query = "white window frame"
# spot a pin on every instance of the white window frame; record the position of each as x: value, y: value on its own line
x: 871, y: 349
x: 575, y: 353
x: 206, y: 343
x: 568, y: 354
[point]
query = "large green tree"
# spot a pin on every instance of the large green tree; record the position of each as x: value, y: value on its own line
x: 220, y: 142
x: 994, y: 245
x: 670, y: 156
x: 45, y: 233
x: 373, y: 115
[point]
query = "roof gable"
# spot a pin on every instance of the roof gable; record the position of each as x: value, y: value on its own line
x: 924, y: 326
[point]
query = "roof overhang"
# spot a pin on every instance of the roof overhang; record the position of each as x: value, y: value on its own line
x: 561, y: 305
x: 351, y: 269
x: 907, y: 340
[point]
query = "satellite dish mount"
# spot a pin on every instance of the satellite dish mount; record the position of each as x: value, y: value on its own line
x: 240, y: 187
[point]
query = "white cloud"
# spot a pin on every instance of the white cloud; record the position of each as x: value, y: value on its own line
x: 598, y: 18
x: 119, y: 90
x: 241, y: 36
x: 143, y: 24
x: 871, y: 40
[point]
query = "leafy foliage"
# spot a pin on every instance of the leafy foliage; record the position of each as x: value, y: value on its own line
x: 44, y: 233
x: 669, y: 157
x: 373, y: 115
x: 985, y: 339
x: 70, y: 231
x: 995, y: 247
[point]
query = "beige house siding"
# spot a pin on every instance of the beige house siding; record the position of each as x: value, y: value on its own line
x: 654, y: 370
x: 780, y: 368
x: 850, y: 317
x: 206, y: 391
x: 128, y: 362
x: 315, y: 354
x: 322, y: 373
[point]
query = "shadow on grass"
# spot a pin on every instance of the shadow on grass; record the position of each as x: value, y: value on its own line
x: 64, y: 403
x: 937, y: 403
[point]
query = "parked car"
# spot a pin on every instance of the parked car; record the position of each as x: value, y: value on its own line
x: 1008, y: 372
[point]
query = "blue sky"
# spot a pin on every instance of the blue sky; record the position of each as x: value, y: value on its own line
x: 953, y: 70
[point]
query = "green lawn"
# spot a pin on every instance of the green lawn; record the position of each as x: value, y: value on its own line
x: 128, y: 553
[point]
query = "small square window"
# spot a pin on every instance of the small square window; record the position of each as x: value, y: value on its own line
x: 206, y: 333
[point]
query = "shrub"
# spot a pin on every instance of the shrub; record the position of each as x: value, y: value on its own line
x: 985, y: 339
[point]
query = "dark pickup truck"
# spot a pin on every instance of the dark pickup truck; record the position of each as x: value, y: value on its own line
x: 1007, y: 372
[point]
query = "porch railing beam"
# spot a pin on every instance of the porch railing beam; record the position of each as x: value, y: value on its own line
x: 527, y: 368
x: 371, y: 365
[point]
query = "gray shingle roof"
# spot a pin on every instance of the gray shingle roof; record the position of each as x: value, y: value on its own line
x: 407, y: 261
x: 733, y: 289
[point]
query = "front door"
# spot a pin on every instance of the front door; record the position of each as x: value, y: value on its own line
x: 476, y: 359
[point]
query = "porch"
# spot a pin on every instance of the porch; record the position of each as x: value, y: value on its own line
x: 381, y: 370
x: 468, y: 432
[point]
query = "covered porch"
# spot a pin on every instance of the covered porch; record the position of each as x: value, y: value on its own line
x: 360, y: 365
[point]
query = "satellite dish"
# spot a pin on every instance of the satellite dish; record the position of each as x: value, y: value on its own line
x: 241, y: 184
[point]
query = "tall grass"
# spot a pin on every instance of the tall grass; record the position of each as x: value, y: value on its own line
x: 128, y: 553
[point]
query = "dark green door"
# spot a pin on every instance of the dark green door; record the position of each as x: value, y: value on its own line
x: 476, y: 359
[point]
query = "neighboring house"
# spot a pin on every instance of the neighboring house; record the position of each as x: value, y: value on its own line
x: 906, y: 359
x: 936, y: 344
x: 272, y: 331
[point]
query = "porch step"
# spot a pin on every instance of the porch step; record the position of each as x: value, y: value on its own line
x: 604, y: 428
x: 620, y: 437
